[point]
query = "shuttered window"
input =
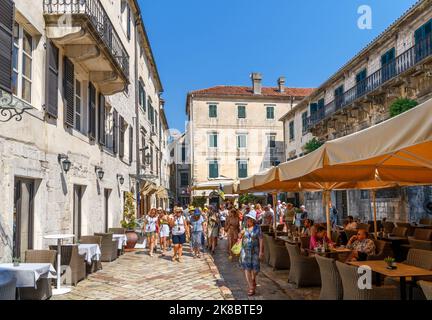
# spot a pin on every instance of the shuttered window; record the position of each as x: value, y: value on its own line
x: 213, y: 111
x: 142, y: 96
x: 102, y: 119
x: 241, y: 112
x: 92, y: 111
x: 69, y: 92
x: 213, y: 169
x: 51, y: 99
x: 115, y: 131
x: 242, y: 169
x: 122, y: 128
x: 6, y: 43
x: 130, y: 144
x: 270, y: 113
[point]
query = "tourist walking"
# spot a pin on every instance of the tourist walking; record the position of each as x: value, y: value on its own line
x: 150, y: 224
x: 179, y: 227
x: 232, y: 228
x: 252, y: 251
x: 213, y: 224
x: 164, y: 230
x: 197, y: 223
x: 223, y: 213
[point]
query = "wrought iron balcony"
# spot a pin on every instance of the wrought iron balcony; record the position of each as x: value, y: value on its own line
x: 70, y: 15
x: 402, y: 63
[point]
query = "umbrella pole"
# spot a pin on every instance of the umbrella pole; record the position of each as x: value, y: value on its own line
x: 274, y: 194
x: 327, y: 204
x: 375, y: 213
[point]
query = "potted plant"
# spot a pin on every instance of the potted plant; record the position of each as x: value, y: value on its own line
x: 16, y: 261
x: 129, y: 221
x: 391, y: 262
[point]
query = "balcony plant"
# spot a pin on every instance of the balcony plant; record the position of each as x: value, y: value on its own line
x: 401, y: 105
x: 313, y: 145
x: 129, y: 221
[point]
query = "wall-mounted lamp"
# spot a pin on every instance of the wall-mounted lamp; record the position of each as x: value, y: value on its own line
x: 120, y: 178
x: 65, y: 162
x: 100, y: 173
x: 148, y: 159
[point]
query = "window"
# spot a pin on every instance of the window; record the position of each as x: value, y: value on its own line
x: 183, y: 153
x: 78, y: 106
x: 291, y: 130
x: 270, y: 113
x: 156, y: 120
x: 241, y: 112
x: 126, y: 18
x: 361, y: 82
x: 213, y: 111
x: 423, y: 41
x: 22, y: 60
x: 241, y: 141
x: 339, y: 96
x: 213, y: 169
x: 109, y: 128
x: 184, y: 179
x: 242, y: 169
x: 304, y: 122
x: 213, y: 140
x: 272, y: 141
x: 142, y: 96
x: 388, y: 64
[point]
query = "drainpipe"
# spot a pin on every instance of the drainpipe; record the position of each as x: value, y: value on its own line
x: 137, y: 122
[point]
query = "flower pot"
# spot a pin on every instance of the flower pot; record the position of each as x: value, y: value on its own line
x: 132, y: 239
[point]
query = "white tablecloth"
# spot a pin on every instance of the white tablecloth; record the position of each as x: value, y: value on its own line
x: 122, y: 239
x: 91, y: 251
x: 27, y: 274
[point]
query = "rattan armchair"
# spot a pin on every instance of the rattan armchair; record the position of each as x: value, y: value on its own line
x: 426, y: 221
x: 410, y: 229
x: 279, y: 258
x: 117, y: 230
x: 96, y: 264
x: 304, y: 270
x: 44, y: 290
x: 422, y: 239
x: 73, y: 265
x: 351, y: 291
x: 7, y: 286
x: 383, y: 250
x: 388, y: 226
x: 331, y: 283
x: 108, y: 247
x: 399, y: 232
x: 427, y: 288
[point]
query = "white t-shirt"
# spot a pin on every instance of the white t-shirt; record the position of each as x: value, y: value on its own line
x: 179, y: 226
x: 223, y: 214
x: 151, y: 224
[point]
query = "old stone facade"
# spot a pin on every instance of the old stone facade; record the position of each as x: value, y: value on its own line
x: 77, y: 72
x: 395, y: 65
x: 235, y: 131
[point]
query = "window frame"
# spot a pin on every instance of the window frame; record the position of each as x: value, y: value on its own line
x: 210, y: 106
x: 272, y: 108
x: 21, y: 54
x: 213, y: 162
x: 238, y: 141
x: 241, y: 107
x: 210, y: 140
x: 291, y: 130
x: 239, y: 162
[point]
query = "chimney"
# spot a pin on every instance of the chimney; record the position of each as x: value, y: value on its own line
x: 281, y: 84
x: 256, y: 83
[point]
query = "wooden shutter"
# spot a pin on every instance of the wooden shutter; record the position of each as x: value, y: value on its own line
x: 121, y: 140
x: 92, y: 111
x: 102, y: 119
x: 51, y: 98
x: 115, y: 131
x: 130, y: 144
x: 6, y: 43
x: 69, y: 92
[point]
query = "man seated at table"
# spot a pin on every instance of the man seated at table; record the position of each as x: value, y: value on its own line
x: 361, y: 245
x: 308, y: 228
x: 320, y: 238
x: 351, y: 224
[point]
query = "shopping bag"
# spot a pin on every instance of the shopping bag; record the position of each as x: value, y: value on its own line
x: 236, y: 249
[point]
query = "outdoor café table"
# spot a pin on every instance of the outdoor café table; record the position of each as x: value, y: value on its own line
x: 289, y: 240
x: 402, y: 272
x: 90, y: 251
x: 59, y: 237
x: 27, y: 274
x: 122, y: 239
x: 332, y: 252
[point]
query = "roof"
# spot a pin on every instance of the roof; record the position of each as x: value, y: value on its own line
x: 248, y: 91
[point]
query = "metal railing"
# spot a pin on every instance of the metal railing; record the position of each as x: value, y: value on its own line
x: 394, y: 68
x: 96, y: 14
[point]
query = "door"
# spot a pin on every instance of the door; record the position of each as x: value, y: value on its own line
x: 388, y: 65
x: 77, y: 210
x: 339, y: 97
x: 423, y: 41
x: 342, y: 204
x: 107, y: 193
x: 23, y: 216
x: 361, y: 82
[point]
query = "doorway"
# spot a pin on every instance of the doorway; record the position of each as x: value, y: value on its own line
x: 23, y: 216
x: 78, y: 192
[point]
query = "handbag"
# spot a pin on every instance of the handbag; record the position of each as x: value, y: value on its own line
x: 236, y: 249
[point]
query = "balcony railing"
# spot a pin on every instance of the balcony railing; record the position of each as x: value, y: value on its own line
x: 400, y: 64
x: 96, y: 14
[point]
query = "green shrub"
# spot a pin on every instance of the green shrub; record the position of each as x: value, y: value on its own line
x: 247, y: 198
x: 199, y: 202
x: 401, y: 105
x: 312, y: 145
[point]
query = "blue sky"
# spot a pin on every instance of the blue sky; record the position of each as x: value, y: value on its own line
x: 203, y: 43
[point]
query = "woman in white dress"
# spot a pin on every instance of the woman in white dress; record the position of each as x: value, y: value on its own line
x: 150, y: 225
x: 164, y: 229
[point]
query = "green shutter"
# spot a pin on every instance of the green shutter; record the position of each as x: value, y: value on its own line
x: 212, y: 111
x: 241, y: 112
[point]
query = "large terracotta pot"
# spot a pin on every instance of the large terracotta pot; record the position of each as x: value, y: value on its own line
x: 132, y: 239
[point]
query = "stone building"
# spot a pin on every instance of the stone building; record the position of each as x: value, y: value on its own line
x: 235, y: 131
x: 397, y: 64
x: 66, y: 165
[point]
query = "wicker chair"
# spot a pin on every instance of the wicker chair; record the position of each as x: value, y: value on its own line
x: 331, y: 283
x: 305, y: 242
x: 422, y: 239
x: 351, y: 291
x: 7, y: 286
x: 427, y: 288
x: 410, y: 229
x: 44, y: 290
x: 383, y: 250
x: 399, y: 232
x: 73, y: 265
x: 117, y: 230
x: 426, y: 221
x: 279, y: 258
x: 266, y: 241
x: 304, y: 270
x: 388, y: 227
x: 108, y: 247
x: 96, y: 264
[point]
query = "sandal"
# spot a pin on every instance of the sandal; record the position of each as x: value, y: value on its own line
x: 251, y: 292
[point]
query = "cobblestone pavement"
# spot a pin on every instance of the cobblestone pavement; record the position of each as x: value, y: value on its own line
x: 137, y: 276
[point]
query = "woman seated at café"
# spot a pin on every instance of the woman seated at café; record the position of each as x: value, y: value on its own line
x: 361, y: 245
x: 308, y: 229
x: 320, y: 238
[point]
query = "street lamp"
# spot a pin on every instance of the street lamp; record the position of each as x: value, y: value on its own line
x: 100, y: 173
x: 120, y: 178
x: 65, y: 162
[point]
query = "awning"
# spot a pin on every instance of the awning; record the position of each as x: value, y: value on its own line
x: 148, y: 188
x: 228, y: 185
x: 162, y: 193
